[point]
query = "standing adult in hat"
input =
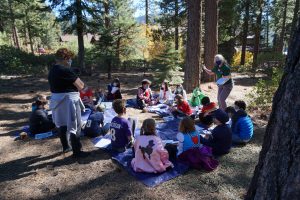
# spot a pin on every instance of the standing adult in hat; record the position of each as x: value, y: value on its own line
x: 220, y: 138
x: 144, y: 94
x: 221, y: 70
x: 66, y: 104
x: 39, y: 121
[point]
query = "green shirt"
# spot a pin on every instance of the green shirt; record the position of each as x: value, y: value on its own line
x: 224, y: 70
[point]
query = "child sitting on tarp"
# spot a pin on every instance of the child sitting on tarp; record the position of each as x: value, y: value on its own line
x: 208, y: 106
x: 39, y: 121
x: 241, y: 123
x: 205, y: 122
x: 114, y: 90
x: 165, y: 94
x: 197, y: 95
x: 94, y: 126
x: 182, y: 108
x: 150, y: 154
x: 86, y: 95
x: 220, y: 138
x: 144, y: 95
x: 180, y: 90
x: 120, y: 128
x: 190, y: 149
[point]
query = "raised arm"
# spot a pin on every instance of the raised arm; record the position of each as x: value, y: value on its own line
x: 208, y: 71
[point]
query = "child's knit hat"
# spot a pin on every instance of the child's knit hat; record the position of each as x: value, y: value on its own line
x: 221, y: 116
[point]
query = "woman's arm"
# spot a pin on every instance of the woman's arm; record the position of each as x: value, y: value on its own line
x: 78, y: 84
x: 208, y: 71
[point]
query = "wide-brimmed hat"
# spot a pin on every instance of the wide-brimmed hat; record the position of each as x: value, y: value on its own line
x: 146, y: 81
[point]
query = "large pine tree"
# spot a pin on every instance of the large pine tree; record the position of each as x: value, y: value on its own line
x: 277, y: 174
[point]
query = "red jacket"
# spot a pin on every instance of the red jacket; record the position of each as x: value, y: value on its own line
x: 210, y: 107
x: 185, y: 108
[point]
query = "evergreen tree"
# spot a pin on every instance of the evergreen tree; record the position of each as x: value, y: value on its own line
x: 170, y: 65
x: 117, y: 34
x: 77, y: 13
x: 172, y: 19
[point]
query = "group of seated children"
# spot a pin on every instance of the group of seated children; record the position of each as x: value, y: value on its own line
x: 145, y: 98
x: 150, y: 154
x: 113, y: 92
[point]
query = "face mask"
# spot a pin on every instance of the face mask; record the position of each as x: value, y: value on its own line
x: 179, y: 90
x: 218, y: 62
x: 146, y: 87
x: 69, y: 62
x: 115, y: 84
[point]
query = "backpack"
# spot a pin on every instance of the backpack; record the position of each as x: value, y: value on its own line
x: 196, y: 97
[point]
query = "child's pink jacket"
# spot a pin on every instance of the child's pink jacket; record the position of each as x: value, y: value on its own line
x: 150, y: 155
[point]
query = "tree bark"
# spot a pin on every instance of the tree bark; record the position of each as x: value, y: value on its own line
x: 107, y: 25
x: 282, y: 32
x: 211, y: 36
x: 176, y: 18
x: 295, y: 17
x: 277, y: 174
x: 14, y: 28
x: 79, y: 28
x: 30, y: 39
x: 257, y: 35
x: 245, y: 32
x: 193, y: 52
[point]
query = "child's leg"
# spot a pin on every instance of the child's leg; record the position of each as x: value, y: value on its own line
x: 63, y: 137
x: 141, y: 103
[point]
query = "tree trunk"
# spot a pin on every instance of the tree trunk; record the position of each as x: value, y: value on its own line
x: 245, y: 32
x: 176, y: 25
x: 30, y: 39
x: 79, y: 28
x: 211, y: 36
x: 257, y: 35
x: 282, y: 32
x: 295, y: 17
x: 277, y: 174
x: 268, y: 26
x: 14, y: 28
x: 193, y: 52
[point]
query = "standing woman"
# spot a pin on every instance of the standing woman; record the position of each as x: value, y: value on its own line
x: 66, y: 104
x: 221, y: 70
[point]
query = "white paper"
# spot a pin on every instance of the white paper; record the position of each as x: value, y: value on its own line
x: 103, y: 143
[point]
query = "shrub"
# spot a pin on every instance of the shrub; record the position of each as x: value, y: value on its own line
x: 262, y: 94
x: 17, y: 62
x: 236, y: 60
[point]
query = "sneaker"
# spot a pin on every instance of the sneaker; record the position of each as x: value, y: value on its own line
x: 81, y: 154
x: 144, y: 110
x: 67, y: 150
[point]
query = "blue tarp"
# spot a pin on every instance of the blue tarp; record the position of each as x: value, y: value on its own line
x: 149, y: 179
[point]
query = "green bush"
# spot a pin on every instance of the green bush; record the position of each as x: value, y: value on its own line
x: 262, y: 94
x: 17, y: 62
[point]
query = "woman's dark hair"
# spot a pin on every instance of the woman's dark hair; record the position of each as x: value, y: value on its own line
x: 187, y: 125
x: 240, y: 104
x: 117, y: 80
x: 205, y: 101
x: 148, y: 127
x: 166, y: 86
x: 230, y: 109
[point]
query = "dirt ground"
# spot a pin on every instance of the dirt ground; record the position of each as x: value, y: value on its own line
x: 34, y: 169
